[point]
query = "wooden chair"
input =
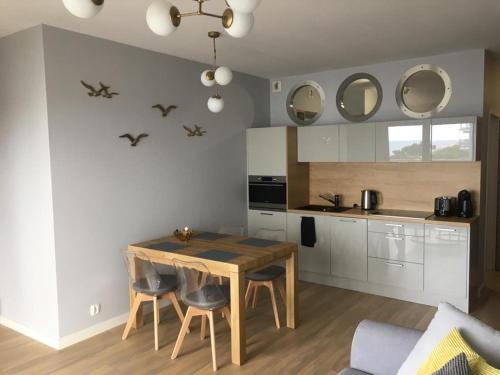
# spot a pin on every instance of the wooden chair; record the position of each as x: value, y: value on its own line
x: 204, y: 298
x: 272, y: 277
x: 150, y: 285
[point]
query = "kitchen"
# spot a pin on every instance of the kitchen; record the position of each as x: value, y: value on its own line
x: 376, y: 228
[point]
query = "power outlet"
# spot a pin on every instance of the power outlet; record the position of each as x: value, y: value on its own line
x: 95, y: 309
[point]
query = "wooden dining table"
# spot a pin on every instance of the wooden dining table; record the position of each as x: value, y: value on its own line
x: 232, y: 257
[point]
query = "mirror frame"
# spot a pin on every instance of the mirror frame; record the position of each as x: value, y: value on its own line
x: 289, y: 106
x: 345, y: 84
x: 441, y: 105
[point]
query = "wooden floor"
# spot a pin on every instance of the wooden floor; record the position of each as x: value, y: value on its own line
x: 320, y: 345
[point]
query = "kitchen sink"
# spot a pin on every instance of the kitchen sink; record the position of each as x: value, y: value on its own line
x: 317, y: 207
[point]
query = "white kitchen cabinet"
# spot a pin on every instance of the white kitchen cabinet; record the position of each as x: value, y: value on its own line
x: 349, y: 248
x: 318, y: 143
x: 446, y: 261
x: 396, y: 247
x: 397, y: 274
x: 403, y: 141
x: 453, y: 139
x: 266, y: 151
x: 268, y: 222
x: 357, y: 142
x: 311, y: 259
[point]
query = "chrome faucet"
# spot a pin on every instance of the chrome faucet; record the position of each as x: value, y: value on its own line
x: 333, y: 199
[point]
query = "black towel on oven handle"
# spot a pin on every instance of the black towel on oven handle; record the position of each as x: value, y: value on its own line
x: 307, y: 231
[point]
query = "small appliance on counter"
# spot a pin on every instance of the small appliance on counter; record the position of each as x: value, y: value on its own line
x: 464, y: 208
x: 369, y: 199
x: 445, y: 206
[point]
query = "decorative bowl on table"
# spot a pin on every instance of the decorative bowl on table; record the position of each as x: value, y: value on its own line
x: 183, y: 235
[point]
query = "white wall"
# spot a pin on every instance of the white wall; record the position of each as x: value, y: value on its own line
x: 108, y: 194
x: 466, y: 70
x: 28, y: 294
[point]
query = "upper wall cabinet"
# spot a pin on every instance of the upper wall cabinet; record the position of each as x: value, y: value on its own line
x: 403, y: 141
x: 450, y: 139
x: 266, y: 151
x: 356, y: 143
x: 453, y: 139
x: 318, y: 143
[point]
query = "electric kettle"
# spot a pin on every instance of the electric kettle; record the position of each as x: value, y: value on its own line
x: 368, y: 199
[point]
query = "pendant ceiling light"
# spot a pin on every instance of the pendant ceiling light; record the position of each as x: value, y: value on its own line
x: 217, y: 76
x: 163, y: 17
x: 83, y: 8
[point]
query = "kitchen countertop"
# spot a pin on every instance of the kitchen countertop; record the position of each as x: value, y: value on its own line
x: 359, y: 213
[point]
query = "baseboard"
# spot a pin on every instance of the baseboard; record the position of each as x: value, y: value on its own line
x: 28, y: 332
x: 66, y: 341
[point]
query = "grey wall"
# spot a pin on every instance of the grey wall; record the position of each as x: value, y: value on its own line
x: 28, y: 295
x: 466, y: 70
x: 108, y: 194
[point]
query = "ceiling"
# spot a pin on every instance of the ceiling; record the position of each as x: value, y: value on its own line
x: 290, y: 36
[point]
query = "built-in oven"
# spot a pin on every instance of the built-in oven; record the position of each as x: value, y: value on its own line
x: 267, y: 192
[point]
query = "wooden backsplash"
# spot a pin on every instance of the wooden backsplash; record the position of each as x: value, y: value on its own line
x: 409, y: 186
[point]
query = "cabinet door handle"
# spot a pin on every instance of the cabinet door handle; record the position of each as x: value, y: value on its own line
x: 445, y: 230
x: 266, y: 214
x: 395, y: 225
x: 394, y: 238
x: 347, y: 221
x: 394, y: 264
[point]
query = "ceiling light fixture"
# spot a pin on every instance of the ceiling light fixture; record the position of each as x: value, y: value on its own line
x: 163, y: 18
x: 217, y: 76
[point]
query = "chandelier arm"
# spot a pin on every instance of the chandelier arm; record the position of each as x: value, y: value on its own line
x: 198, y: 13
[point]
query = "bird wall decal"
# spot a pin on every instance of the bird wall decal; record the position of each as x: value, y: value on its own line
x: 103, y: 91
x: 197, y: 131
x: 165, y: 111
x: 134, y: 141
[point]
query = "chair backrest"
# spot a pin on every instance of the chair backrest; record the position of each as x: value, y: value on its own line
x: 231, y: 229
x: 191, y: 278
x: 268, y: 234
x: 143, y: 271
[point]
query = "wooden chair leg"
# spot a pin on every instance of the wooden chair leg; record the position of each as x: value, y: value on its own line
x: 212, y: 339
x: 182, y: 333
x: 133, y: 312
x: 227, y: 315
x: 173, y: 298
x: 203, y: 327
x: 256, y: 289
x: 248, y: 294
x: 281, y: 288
x: 270, y: 285
x: 156, y: 314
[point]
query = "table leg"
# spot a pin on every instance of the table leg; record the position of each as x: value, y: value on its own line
x: 292, y: 318
x: 138, y: 322
x: 238, y: 336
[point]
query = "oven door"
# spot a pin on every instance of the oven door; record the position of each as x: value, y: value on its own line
x: 267, y: 192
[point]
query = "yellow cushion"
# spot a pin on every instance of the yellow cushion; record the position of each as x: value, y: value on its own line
x: 450, y: 347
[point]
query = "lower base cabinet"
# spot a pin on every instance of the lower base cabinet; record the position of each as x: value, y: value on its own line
x: 267, y: 224
x: 394, y: 273
x: 311, y: 259
x: 446, y: 260
x: 349, y: 248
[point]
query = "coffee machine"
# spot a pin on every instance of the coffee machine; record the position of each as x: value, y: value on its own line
x: 464, y: 208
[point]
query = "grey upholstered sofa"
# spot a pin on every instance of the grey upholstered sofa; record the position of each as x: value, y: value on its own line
x: 380, y: 349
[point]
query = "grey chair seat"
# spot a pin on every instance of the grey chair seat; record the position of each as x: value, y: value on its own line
x: 267, y: 274
x: 210, y: 297
x: 153, y: 287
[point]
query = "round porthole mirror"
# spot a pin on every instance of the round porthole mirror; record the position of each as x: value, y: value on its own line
x: 359, y: 97
x: 423, y: 91
x: 305, y: 103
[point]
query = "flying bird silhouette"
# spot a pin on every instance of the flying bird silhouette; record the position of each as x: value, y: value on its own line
x: 198, y: 131
x: 134, y: 141
x: 92, y: 90
x: 165, y: 111
x: 105, y: 91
